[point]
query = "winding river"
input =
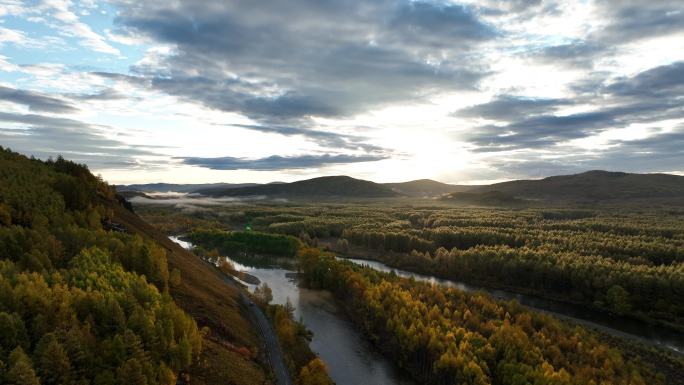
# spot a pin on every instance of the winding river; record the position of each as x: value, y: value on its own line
x: 352, y: 360
x: 610, y: 324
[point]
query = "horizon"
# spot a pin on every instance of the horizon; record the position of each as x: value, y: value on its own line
x: 464, y: 92
x: 404, y: 181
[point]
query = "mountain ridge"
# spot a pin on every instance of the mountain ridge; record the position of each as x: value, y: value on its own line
x: 588, y: 186
x: 593, y: 185
x: 327, y: 186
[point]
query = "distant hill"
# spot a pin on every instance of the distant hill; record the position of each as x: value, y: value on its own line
x: 592, y: 186
x: 182, y: 188
x: 587, y: 187
x: 328, y: 186
x: 426, y: 188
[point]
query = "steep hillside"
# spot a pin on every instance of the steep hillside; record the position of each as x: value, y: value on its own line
x: 203, y: 295
x: 93, y: 294
x: 323, y: 187
x: 594, y: 186
x: 426, y: 188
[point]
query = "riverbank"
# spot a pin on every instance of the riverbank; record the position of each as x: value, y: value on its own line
x: 671, y: 339
x: 351, y: 359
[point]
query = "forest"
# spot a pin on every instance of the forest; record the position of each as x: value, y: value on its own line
x: 245, y: 242
x: 622, y: 260
x: 79, y: 304
x: 445, y: 336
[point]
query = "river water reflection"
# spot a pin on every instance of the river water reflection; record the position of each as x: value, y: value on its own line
x: 350, y: 358
x: 611, y: 324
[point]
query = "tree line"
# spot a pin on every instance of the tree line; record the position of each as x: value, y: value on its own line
x: 445, y: 336
x: 245, y: 242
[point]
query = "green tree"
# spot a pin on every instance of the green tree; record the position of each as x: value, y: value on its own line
x: 131, y: 373
x: 53, y: 362
x: 618, y: 299
x: 21, y: 369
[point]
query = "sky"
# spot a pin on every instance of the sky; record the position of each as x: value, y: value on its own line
x: 195, y: 91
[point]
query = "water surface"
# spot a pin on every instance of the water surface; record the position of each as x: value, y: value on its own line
x: 351, y: 360
x: 611, y: 324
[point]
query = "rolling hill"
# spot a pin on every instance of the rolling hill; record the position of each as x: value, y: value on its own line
x: 593, y: 186
x: 586, y: 187
x: 328, y: 186
x: 181, y: 188
x: 426, y: 188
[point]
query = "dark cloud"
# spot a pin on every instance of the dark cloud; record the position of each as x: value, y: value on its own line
x: 103, y: 94
x: 540, y: 131
x: 276, y: 61
x: 276, y: 162
x: 429, y: 24
x: 324, y: 138
x: 46, y: 136
x: 510, y: 107
x: 660, y: 152
x: 648, y: 97
x: 660, y: 82
x: 35, y: 101
x: 579, y: 54
x: 518, y: 9
x: 636, y: 20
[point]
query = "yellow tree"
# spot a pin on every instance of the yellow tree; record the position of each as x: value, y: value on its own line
x: 314, y: 373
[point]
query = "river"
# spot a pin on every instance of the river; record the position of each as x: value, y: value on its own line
x: 611, y: 324
x: 350, y: 358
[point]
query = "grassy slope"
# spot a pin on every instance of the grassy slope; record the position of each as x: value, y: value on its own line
x: 212, y: 303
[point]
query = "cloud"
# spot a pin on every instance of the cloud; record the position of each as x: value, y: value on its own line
x: 578, y: 54
x: 636, y: 20
x: 46, y: 136
x: 661, y: 152
x: 622, y: 23
x: 8, y: 35
x: 658, y: 83
x: 57, y: 14
x: 511, y: 107
x: 651, y: 96
x: 276, y: 162
x: 35, y: 101
x: 325, y: 138
x: 102, y: 94
x: 280, y: 62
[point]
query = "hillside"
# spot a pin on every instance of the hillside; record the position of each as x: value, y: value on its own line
x: 181, y: 188
x: 426, y: 188
x: 592, y: 186
x: 323, y: 187
x: 93, y: 294
x: 587, y: 187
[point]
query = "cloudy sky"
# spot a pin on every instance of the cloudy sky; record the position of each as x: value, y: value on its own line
x: 255, y: 91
